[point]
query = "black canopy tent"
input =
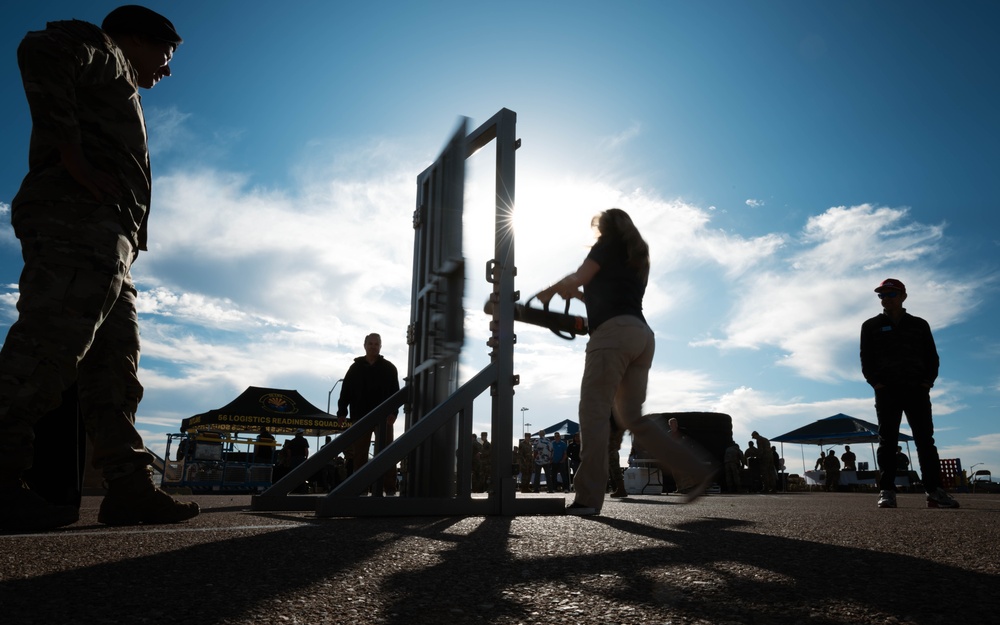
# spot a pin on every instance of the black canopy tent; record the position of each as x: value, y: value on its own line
x: 281, y: 411
x: 840, y: 429
x: 209, y: 455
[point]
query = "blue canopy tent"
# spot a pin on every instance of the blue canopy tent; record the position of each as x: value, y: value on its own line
x: 840, y: 429
x: 566, y: 429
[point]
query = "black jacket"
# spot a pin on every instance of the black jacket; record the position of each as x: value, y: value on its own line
x: 900, y: 354
x: 366, y: 386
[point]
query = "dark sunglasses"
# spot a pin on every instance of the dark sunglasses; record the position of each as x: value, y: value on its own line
x: 889, y: 294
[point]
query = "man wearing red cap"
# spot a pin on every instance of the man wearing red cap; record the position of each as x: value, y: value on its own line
x: 81, y: 216
x: 900, y: 361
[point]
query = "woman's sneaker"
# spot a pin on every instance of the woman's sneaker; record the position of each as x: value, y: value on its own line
x: 887, y: 499
x: 937, y: 498
x: 578, y: 509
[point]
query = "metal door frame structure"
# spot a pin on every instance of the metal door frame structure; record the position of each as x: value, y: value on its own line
x: 349, y: 498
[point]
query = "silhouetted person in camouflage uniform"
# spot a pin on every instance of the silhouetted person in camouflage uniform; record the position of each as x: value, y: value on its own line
x: 485, y: 462
x: 81, y: 216
x: 526, y: 462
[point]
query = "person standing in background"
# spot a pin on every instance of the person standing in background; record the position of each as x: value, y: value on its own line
x: 369, y: 381
x: 560, y: 461
x: 526, y: 462
x: 900, y: 362
x: 849, y: 459
x: 543, y: 462
x: 733, y: 462
x: 573, y: 455
x: 832, y: 467
x: 765, y: 460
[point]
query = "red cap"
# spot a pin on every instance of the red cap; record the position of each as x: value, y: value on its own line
x: 891, y: 284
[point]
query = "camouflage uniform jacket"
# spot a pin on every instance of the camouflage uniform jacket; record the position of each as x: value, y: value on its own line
x: 525, y: 455
x: 82, y: 89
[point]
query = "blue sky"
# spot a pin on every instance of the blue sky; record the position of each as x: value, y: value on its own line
x: 782, y: 158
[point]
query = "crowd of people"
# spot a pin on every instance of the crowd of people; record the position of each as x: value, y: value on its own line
x: 832, y: 466
x: 550, y: 462
x: 556, y: 459
x: 753, y: 470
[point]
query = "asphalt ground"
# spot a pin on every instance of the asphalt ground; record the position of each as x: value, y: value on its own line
x: 806, y: 557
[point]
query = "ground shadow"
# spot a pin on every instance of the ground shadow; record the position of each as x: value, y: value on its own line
x: 406, y: 571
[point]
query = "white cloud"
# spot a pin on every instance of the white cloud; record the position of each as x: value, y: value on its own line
x: 245, y: 285
x: 193, y: 308
x: 866, y: 238
x: 752, y: 203
x: 167, y: 129
x: 674, y: 390
x: 617, y: 141
x: 811, y: 304
x: 334, y: 246
x: 978, y: 449
x: 7, y: 238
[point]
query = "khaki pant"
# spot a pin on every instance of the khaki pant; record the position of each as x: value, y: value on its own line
x: 77, y: 321
x: 619, y: 356
x: 359, y: 453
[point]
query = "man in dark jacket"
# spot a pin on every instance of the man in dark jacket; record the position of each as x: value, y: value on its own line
x: 832, y: 467
x: 81, y: 216
x: 900, y: 361
x: 370, y: 381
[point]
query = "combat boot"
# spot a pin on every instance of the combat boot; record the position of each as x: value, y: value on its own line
x: 619, y: 488
x: 22, y: 510
x: 133, y: 499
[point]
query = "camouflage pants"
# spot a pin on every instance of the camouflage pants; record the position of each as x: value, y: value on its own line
x: 527, y: 469
x: 76, y: 321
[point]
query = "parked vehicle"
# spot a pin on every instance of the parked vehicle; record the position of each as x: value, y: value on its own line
x: 981, y: 481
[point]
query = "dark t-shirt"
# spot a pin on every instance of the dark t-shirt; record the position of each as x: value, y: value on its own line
x: 298, y: 447
x: 616, y: 289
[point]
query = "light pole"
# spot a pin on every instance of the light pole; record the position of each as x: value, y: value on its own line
x: 330, y: 394
x: 522, y: 420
